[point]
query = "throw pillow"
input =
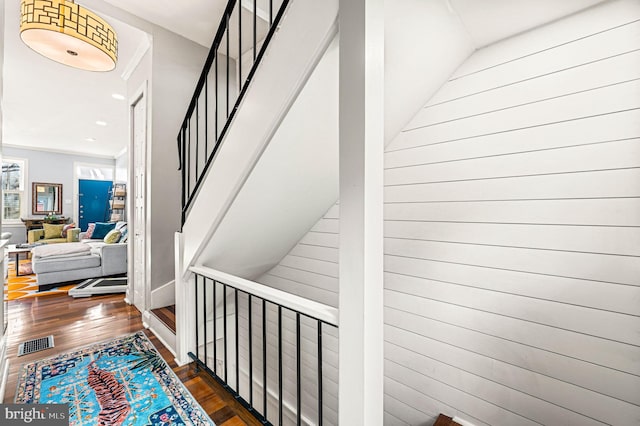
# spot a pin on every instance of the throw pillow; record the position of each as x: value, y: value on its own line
x: 112, y: 236
x: 65, y: 228
x: 125, y: 234
x: 52, y: 231
x: 90, y: 228
x: 102, y: 229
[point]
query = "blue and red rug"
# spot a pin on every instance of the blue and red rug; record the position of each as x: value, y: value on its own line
x: 123, y: 381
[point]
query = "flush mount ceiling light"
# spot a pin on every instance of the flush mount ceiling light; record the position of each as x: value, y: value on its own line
x: 68, y: 33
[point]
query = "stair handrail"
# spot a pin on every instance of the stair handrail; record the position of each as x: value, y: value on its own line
x: 310, y: 308
x: 184, y: 135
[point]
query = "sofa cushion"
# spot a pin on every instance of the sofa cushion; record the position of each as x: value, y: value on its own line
x: 102, y: 229
x: 52, y: 241
x: 57, y: 264
x: 51, y: 250
x: 52, y: 231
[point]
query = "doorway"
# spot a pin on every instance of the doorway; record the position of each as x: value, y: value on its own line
x: 93, y: 200
x: 139, y: 288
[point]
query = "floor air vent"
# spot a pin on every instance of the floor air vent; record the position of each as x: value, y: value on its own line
x: 35, y: 345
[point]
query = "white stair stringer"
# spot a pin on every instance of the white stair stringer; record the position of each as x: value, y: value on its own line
x: 307, y: 29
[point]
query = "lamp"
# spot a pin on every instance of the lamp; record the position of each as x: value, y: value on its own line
x: 68, y: 33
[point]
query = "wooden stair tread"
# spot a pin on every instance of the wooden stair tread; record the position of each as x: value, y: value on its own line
x: 167, y: 315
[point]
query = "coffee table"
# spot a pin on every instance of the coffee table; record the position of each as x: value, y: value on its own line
x: 12, y: 249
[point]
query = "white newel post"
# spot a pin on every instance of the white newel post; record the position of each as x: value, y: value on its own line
x: 361, y: 212
x: 185, y: 305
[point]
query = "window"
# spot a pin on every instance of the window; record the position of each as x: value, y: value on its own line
x: 13, y: 194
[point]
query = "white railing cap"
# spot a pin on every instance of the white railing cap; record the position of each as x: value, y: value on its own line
x: 308, y: 307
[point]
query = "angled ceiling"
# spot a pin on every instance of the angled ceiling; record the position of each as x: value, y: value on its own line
x: 51, y: 106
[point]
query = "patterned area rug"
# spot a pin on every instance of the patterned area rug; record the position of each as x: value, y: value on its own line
x: 123, y: 381
x: 24, y: 286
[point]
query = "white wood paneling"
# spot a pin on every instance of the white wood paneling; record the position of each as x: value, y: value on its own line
x: 512, y: 244
x: 589, y: 23
x: 310, y: 270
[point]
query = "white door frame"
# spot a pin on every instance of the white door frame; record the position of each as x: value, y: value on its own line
x: 140, y: 95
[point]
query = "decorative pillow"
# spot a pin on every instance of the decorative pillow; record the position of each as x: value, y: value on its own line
x: 102, y: 229
x: 90, y: 228
x: 65, y: 228
x: 124, y: 231
x: 52, y: 231
x: 112, y: 236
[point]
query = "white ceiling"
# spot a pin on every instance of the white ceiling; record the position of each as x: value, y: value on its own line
x: 51, y: 106
x: 488, y: 21
x: 198, y: 20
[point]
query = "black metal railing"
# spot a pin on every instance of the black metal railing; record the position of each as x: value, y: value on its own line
x: 262, y: 320
x: 222, y: 86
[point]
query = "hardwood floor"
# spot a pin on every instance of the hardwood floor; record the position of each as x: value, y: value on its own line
x: 78, y: 322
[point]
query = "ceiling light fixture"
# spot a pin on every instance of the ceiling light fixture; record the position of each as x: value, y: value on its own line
x: 68, y: 33
x: 101, y: 123
x: 118, y: 96
x: 90, y: 139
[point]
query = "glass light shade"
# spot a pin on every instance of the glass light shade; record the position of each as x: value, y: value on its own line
x: 68, y: 33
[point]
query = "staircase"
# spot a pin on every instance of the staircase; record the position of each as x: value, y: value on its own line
x: 263, y: 345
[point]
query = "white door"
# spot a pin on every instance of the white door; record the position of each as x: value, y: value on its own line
x: 139, y: 124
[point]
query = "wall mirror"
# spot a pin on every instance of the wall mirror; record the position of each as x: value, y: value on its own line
x: 46, y: 198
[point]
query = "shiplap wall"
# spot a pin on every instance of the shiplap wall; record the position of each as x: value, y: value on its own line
x: 512, y: 234
x: 309, y: 270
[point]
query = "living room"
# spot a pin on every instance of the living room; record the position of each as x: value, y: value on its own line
x: 77, y: 144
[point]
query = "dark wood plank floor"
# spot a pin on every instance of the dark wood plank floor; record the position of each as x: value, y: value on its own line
x: 167, y: 315
x: 78, y: 322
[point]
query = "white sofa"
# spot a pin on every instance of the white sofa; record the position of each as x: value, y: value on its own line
x: 77, y: 261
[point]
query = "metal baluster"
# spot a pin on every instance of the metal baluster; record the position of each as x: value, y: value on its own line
x: 264, y: 357
x: 239, y: 47
x: 227, y: 18
x: 189, y: 157
x: 298, y: 364
x: 237, y: 309
x: 215, y: 328
x: 204, y: 311
x: 249, y: 323
x: 216, y: 88
x: 224, y: 324
x: 270, y: 13
x: 319, y: 373
x: 206, y: 118
x: 196, y: 309
x: 280, y: 396
x: 255, y: 27
x: 197, y: 135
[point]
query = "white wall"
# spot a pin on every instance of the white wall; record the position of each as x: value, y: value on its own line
x: 177, y: 63
x: 512, y: 242
x: 50, y: 167
x: 172, y: 68
x: 122, y: 167
x: 511, y: 248
x: 310, y: 270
